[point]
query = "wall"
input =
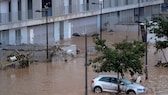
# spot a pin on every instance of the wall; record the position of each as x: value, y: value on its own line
x: 126, y: 28
x: 24, y: 37
x: 56, y: 31
x: 84, y: 25
x: 36, y: 6
x: 4, y: 11
x: 58, y: 7
x: 12, y: 38
x: 127, y: 16
x: 40, y: 34
x: 67, y: 30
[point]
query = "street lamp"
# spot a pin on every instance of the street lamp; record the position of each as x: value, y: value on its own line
x: 101, y: 4
x: 138, y: 19
x: 86, y: 64
x: 146, y: 42
x: 46, y: 15
x: 144, y: 34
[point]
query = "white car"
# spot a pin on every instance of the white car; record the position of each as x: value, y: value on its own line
x: 108, y: 83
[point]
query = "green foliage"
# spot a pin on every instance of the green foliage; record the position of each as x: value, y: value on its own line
x: 161, y: 31
x: 161, y: 44
x: 125, y: 56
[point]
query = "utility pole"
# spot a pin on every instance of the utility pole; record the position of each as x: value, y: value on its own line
x: 46, y: 15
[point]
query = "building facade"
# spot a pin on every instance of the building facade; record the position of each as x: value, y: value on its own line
x: 20, y: 23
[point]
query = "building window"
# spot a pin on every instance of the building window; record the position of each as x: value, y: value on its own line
x: 47, y: 4
x: 19, y: 10
x: 141, y: 13
x: 9, y: 11
x: 87, y: 5
x: 30, y: 12
x: 126, y: 2
x: 116, y: 2
x: 118, y: 16
x: 70, y: 6
x: 164, y: 7
x: 0, y: 39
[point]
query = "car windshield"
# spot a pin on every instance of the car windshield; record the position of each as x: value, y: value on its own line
x: 126, y: 81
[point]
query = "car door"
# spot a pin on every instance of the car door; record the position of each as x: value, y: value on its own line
x: 124, y: 83
x: 123, y: 87
x: 114, y: 84
x: 106, y: 83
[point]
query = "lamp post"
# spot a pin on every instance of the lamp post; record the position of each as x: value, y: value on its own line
x: 101, y: 4
x: 138, y: 19
x: 46, y: 15
x: 144, y: 34
x: 86, y: 82
x: 146, y: 59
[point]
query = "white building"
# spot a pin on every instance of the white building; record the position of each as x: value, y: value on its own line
x: 21, y: 24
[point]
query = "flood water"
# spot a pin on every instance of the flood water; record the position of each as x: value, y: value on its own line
x: 68, y: 78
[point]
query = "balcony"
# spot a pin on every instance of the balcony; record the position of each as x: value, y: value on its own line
x: 30, y: 18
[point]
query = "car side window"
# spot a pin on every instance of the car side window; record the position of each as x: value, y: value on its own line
x: 114, y: 80
x: 105, y: 79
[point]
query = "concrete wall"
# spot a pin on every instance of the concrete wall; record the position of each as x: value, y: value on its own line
x: 67, y: 30
x: 84, y: 25
x: 24, y: 37
x: 4, y: 10
x: 5, y: 37
x: 36, y: 6
x: 14, y: 10
x: 127, y: 16
x: 12, y: 37
x: 56, y: 31
x: 40, y: 34
x: 126, y: 28
x: 24, y: 9
x: 30, y: 35
x: 58, y: 7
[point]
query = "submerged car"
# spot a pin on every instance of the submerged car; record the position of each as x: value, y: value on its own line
x: 109, y: 83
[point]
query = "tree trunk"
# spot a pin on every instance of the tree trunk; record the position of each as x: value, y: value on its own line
x: 118, y: 81
x: 164, y: 55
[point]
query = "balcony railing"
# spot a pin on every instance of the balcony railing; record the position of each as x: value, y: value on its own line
x: 60, y: 11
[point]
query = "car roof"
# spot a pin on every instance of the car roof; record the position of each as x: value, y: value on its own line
x: 107, y: 75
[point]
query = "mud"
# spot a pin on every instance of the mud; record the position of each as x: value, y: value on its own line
x: 68, y: 78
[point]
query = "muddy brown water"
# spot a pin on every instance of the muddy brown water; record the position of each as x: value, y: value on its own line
x: 68, y: 78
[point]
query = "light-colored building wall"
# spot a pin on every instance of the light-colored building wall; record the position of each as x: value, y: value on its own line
x: 67, y: 30
x: 4, y: 35
x: 24, y: 35
x: 56, y: 31
x: 71, y: 16
x: 4, y: 11
x: 14, y: 10
x: 12, y: 37
x: 84, y: 25
x: 24, y: 11
x: 36, y: 6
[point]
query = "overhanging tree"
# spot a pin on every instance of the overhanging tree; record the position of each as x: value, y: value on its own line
x: 120, y: 58
x: 160, y: 28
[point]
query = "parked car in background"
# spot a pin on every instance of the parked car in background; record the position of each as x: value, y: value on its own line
x: 108, y: 83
